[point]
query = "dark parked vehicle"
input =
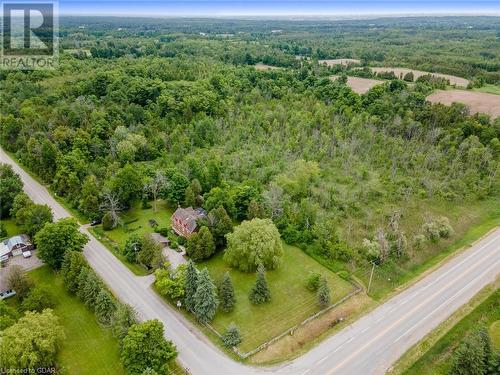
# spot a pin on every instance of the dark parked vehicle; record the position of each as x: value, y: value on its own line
x: 6, y: 294
x: 95, y: 222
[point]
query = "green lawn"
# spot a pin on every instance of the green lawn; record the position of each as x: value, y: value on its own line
x: 495, y: 333
x: 491, y: 89
x: 437, y: 359
x: 11, y: 227
x: 291, y: 301
x: 135, y: 220
x: 88, y: 348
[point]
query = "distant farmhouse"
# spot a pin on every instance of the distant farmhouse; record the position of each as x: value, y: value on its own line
x: 14, y: 246
x: 184, y: 220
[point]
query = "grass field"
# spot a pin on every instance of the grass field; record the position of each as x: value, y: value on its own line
x: 291, y: 301
x: 136, y: 220
x: 437, y: 359
x: 491, y: 89
x: 88, y: 348
x: 11, y: 227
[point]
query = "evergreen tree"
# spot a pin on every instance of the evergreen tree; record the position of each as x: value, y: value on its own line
x: 105, y: 306
x: 260, y: 292
x: 190, y: 286
x: 323, y: 293
x: 220, y: 224
x: 124, y: 317
x: 72, y: 265
x: 232, y: 336
x: 226, y: 294
x: 470, y: 357
x: 81, y: 281
x: 91, y: 289
x: 205, y: 298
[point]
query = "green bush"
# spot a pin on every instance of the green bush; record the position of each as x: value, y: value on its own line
x: 107, y: 222
x: 313, y: 281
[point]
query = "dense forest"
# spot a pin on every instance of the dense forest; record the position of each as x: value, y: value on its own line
x: 349, y: 178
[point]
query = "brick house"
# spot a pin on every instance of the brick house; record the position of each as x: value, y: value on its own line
x: 184, y: 220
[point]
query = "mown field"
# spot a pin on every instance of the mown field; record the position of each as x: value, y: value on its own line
x: 291, y: 301
x: 88, y: 348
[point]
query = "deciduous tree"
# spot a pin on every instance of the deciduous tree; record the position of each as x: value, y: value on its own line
x: 144, y: 347
x: 252, y: 243
x: 55, y: 239
x: 32, y: 342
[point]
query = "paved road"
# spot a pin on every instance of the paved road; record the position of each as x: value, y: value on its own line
x: 368, y: 346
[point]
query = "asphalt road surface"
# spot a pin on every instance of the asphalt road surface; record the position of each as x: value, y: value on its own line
x: 368, y: 346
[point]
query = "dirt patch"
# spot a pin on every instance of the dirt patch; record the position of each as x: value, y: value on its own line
x: 292, y: 344
x: 401, y: 72
x: 260, y: 66
x: 360, y: 85
x: 475, y: 101
x: 333, y: 62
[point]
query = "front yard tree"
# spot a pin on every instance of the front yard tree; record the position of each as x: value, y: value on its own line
x: 201, y: 245
x: 18, y: 280
x: 155, y: 185
x: 111, y: 207
x: 190, y: 286
x: 205, y: 298
x: 252, y: 243
x: 145, y: 347
x: 220, y: 224
x: 226, y: 294
x: 260, y: 292
x: 91, y: 289
x: 11, y: 186
x: 124, y: 317
x: 105, y: 306
x: 323, y: 293
x: 36, y: 218
x: 55, y: 239
x: 72, y: 265
x: 32, y: 342
x: 132, y: 247
x: 232, y: 336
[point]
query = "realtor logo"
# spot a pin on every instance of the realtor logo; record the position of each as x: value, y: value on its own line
x: 29, y: 35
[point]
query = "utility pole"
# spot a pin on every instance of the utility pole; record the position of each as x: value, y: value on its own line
x: 371, y: 277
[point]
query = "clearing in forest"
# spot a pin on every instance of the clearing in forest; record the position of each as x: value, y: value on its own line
x: 260, y: 66
x: 332, y: 62
x: 475, y: 101
x: 360, y: 85
x: 401, y: 72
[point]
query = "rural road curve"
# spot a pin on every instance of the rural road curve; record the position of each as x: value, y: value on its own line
x: 368, y: 346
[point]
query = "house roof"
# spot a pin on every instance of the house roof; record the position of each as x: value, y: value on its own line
x: 20, y: 239
x: 4, y: 250
x: 188, y: 216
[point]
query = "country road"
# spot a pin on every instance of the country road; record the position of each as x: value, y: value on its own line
x: 368, y: 346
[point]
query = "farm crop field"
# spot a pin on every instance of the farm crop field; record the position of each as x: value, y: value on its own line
x: 401, y: 72
x: 360, y: 85
x: 476, y: 102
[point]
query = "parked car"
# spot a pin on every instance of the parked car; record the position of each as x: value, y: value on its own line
x: 95, y: 222
x: 26, y: 254
x: 7, y: 294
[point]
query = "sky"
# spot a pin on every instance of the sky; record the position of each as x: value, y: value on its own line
x: 274, y: 8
